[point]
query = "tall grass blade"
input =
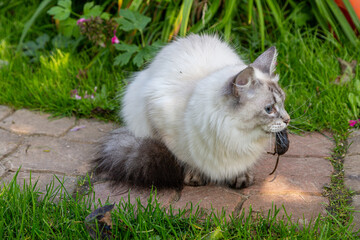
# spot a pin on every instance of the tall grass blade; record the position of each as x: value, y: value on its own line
x: 209, y: 14
x: 185, y: 16
x: 326, y: 15
x: 230, y: 7
x: 29, y: 23
x: 276, y: 12
x: 250, y: 10
x: 348, y: 31
x: 352, y: 14
x: 261, y: 23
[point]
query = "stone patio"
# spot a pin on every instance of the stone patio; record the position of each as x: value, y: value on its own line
x: 63, y: 147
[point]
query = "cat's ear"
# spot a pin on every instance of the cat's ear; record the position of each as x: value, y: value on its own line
x: 266, y: 62
x: 242, y: 81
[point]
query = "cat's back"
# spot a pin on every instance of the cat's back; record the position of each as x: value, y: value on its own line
x: 156, y: 99
x: 193, y: 57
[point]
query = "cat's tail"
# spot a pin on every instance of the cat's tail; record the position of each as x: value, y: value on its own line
x: 142, y: 162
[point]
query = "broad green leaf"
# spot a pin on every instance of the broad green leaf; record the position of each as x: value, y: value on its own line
x: 68, y: 27
x: 132, y: 20
x: 105, y: 16
x: 123, y: 59
x: 92, y: 11
x: 126, y: 47
x: 42, y: 40
x: 62, y: 11
x: 65, y: 4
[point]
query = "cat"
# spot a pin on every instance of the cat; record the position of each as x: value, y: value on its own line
x: 196, y: 114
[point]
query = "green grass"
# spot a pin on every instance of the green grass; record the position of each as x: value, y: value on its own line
x: 27, y: 213
x: 307, y: 65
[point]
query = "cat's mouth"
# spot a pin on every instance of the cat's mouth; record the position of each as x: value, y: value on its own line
x: 274, y: 128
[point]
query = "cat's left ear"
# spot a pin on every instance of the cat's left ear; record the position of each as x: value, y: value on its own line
x: 266, y: 62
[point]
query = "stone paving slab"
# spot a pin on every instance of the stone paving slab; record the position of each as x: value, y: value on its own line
x: 305, y: 176
x: 8, y: 142
x: 213, y: 197
x: 313, y: 145
x: 43, y: 180
x: 29, y: 122
x: 47, y: 154
x: 300, y: 207
x: 104, y: 193
x: 356, y: 213
x: 352, y: 174
x: 354, y: 148
x: 89, y: 131
x: 4, y: 111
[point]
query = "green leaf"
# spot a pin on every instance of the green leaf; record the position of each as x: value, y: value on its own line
x: 124, y: 58
x: 62, y: 11
x: 357, y: 86
x: 105, y: 16
x: 68, y: 27
x: 29, y: 23
x: 132, y: 20
x: 126, y: 47
x: 92, y: 11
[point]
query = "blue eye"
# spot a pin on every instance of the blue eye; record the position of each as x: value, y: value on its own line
x: 269, y: 108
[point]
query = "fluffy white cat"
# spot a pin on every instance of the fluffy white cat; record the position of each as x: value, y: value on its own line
x: 203, y: 105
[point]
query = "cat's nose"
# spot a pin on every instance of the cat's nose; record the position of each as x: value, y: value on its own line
x: 287, y: 121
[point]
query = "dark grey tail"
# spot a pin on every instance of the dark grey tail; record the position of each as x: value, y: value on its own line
x: 138, y: 161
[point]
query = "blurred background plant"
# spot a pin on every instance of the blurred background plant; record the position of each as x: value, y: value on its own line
x: 108, y: 40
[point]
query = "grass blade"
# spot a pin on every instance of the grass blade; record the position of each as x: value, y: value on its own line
x: 261, y: 23
x: 326, y: 15
x: 250, y: 10
x: 185, y: 17
x: 210, y: 13
x: 348, y: 31
x: 352, y: 14
x: 275, y: 10
x: 29, y: 23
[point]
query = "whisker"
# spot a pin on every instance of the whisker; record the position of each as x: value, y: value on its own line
x: 307, y: 101
x: 297, y: 128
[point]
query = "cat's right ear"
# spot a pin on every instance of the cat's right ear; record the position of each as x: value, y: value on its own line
x: 242, y: 81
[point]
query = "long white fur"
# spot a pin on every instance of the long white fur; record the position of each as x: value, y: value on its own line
x: 177, y: 99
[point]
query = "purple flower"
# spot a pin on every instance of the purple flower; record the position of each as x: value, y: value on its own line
x: 353, y: 122
x: 81, y: 20
x: 114, y: 39
x: 77, y: 128
x: 77, y: 97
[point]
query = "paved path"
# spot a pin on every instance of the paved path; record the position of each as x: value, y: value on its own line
x: 352, y: 173
x: 64, y: 147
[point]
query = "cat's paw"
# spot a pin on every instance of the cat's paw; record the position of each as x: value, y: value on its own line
x: 194, y: 178
x: 243, y: 180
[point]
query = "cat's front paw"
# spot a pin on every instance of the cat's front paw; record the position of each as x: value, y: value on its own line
x: 194, y: 178
x: 243, y: 180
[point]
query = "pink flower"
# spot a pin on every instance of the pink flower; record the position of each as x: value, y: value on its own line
x: 81, y: 20
x: 114, y: 39
x: 353, y: 122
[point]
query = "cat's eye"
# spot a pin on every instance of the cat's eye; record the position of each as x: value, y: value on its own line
x: 269, y: 109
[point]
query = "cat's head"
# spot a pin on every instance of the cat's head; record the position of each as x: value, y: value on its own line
x: 257, y: 97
